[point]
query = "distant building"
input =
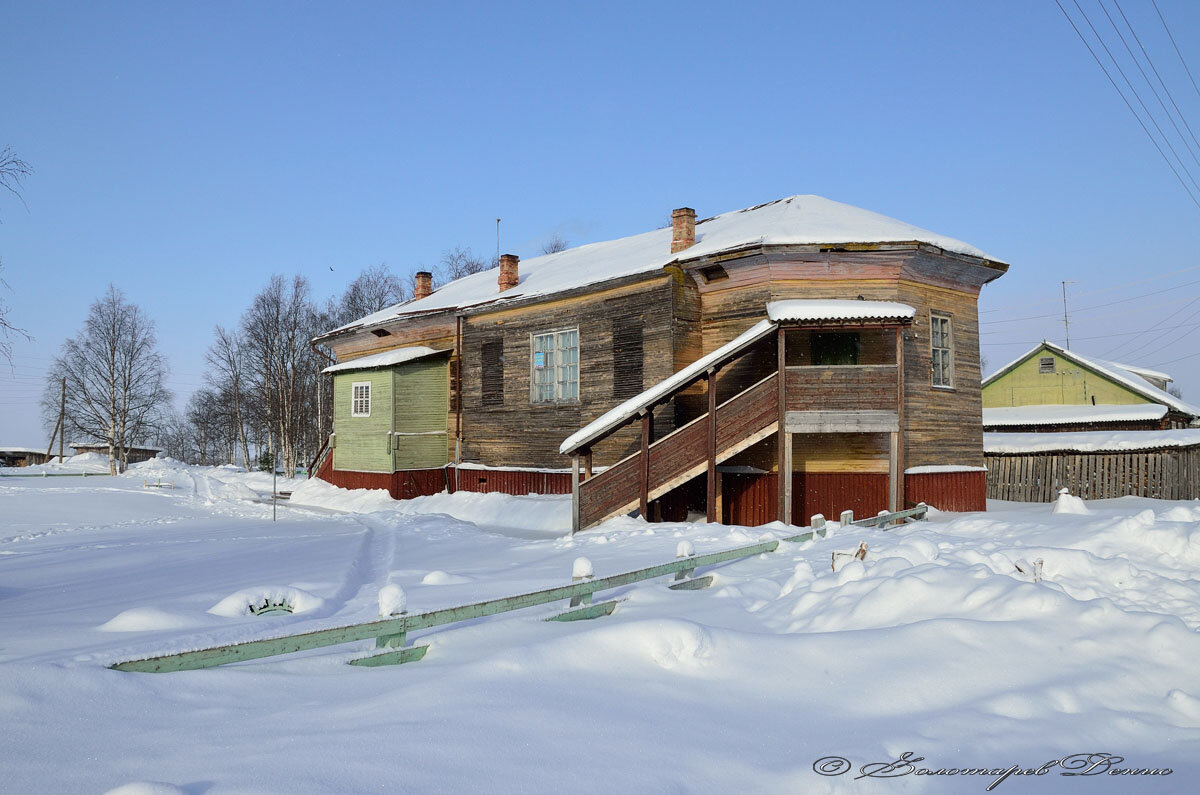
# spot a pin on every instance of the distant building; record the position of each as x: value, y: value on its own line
x: 1051, y: 389
x: 22, y: 456
x: 135, y: 453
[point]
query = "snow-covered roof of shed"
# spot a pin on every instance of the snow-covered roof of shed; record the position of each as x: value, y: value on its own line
x: 624, y: 411
x: 1089, y: 441
x: 1122, y: 374
x: 796, y: 220
x: 802, y: 309
x: 13, y: 449
x: 79, y: 445
x: 1007, y: 416
x: 385, y: 359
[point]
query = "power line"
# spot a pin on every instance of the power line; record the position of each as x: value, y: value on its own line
x: 1095, y: 306
x: 1156, y: 325
x: 1176, y: 46
x: 1135, y: 93
x: 1161, y: 82
x: 1108, y: 289
x: 1145, y: 129
x: 1145, y: 77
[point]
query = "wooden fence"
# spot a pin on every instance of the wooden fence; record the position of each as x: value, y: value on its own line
x: 1167, y: 474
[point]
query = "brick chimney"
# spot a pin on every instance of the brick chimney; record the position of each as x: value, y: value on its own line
x: 424, y: 286
x: 508, y: 271
x: 683, y: 229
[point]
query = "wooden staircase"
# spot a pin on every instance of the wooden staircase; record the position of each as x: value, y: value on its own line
x: 738, y: 423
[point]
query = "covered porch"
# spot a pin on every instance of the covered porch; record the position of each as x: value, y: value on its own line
x: 813, y: 392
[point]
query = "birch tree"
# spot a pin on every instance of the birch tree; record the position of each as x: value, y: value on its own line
x: 115, y: 378
x: 227, y: 358
x: 276, y: 331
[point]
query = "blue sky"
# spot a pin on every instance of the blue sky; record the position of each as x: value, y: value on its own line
x: 187, y: 152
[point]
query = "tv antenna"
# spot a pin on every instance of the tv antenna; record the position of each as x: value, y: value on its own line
x: 1066, y: 318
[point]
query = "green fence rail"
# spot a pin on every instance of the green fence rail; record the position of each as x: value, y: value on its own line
x: 56, y: 475
x: 391, y: 633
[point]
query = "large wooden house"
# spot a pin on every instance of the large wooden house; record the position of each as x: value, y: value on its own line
x: 652, y: 364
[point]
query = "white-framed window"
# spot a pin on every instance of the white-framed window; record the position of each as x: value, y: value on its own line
x: 360, y: 399
x: 554, y: 367
x: 941, y: 347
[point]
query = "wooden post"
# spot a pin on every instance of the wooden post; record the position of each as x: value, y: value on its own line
x: 587, y: 464
x: 783, y: 438
x: 896, y: 446
x: 575, y: 493
x: 711, y: 502
x: 645, y: 461
x: 62, y: 419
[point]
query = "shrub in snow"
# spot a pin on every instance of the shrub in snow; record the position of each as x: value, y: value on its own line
x: 392, y: 600
x: 581, y: 569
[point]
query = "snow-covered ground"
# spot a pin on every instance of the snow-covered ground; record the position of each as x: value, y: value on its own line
x: 940, y: 644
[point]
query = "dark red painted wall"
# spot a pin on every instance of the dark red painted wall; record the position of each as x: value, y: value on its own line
x: 948, y: 491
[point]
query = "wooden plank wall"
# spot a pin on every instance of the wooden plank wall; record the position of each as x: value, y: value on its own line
x: 1168, y: 474
x: 845, y: 388
x: 520, y: 433
x: 947, y: 491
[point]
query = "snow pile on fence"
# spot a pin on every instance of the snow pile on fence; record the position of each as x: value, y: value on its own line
x: 1007, y: 416
x: 1089, y: 441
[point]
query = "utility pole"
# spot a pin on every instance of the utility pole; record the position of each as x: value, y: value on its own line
x: 60, y: 426
x: 62, y: 419
x: 1066, y: 319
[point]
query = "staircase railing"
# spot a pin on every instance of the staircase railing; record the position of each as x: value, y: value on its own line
x: 743, y: 420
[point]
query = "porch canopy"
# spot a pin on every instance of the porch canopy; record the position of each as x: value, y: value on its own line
x: 793, y: 312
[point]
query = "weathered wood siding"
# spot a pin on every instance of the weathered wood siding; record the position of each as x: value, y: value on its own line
x: 941, y: 425
x: 513, y: 431
x: 362, y: 442
x: 1168, y: 474
x: 422, y: 399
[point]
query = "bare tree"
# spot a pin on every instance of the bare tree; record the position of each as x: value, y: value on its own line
x: 12, y: 170
x: 555, y: 244
x: 276, y: 330
x: 227, y: 359
x: 116, y: 390
x: 459, y: 262
x: 375, y: 288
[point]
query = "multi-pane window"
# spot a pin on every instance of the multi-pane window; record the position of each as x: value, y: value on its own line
x: 554, y: 376
x: 941, y: 343
x: 360, y: 399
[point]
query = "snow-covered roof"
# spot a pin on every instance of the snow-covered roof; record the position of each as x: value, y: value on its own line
x: 385, y: 359
x: 1089, y: 441
x: 796, y: 220
x: 1070, y: 415
x: 798, y: 310
x: 79, y: 445
x: 624, y: 411
x: 1120, y: 373
x: 1144, y: 372
x: 13, y: 449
